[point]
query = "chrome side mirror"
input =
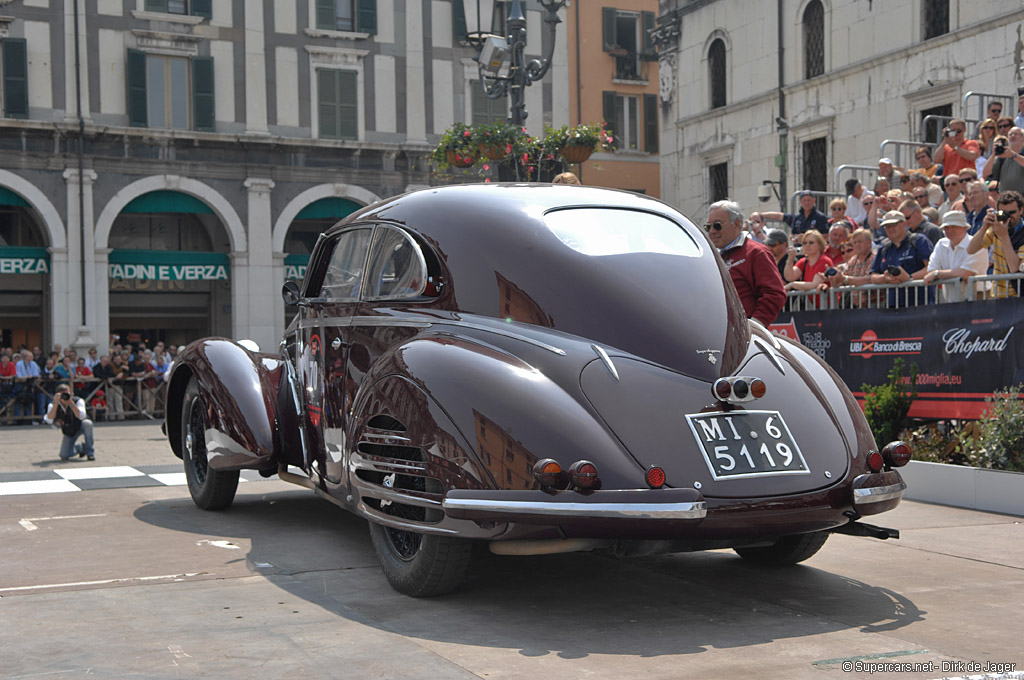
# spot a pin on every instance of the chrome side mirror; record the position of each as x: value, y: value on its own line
x: 290, y: 293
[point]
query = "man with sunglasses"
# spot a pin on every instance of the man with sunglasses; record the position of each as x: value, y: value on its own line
x: 1008, y: 167
x: 951, y: 183
x: 956, y: 152
x: 751, y: 264
x: 1005, y: 237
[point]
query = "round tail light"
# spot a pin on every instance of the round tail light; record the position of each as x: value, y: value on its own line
x: 722, y: 389
x: 655, y: 477
x: 896, y: 454
x: 547, y: 471
x: 583, y: 474
x: 875, y: 461
x: 740, y: 388
x: 758, y: 388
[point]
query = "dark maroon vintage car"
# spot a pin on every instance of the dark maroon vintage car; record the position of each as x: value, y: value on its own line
x: 543, y: 368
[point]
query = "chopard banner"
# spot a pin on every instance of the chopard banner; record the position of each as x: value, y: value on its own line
x: 964, y: 351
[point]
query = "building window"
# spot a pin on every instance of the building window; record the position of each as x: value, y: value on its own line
x: 336, y: 92
x: 815, y: 165
x: 15, y: 76
x: 718, y: 176
x: 931, y: 128
x: 170, y: 92
x: 626, y: 126
x: 484, y: 109
x: 814, y: 39
x: 716, y: 73
x: 200, y: 8
x: 935, y: 17
x: 347, y: 15
x: 167, y: 92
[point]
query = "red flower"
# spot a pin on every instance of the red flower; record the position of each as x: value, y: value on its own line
x: 466, y: 133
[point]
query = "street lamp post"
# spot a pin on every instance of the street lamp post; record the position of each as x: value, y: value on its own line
x: 520, y: 74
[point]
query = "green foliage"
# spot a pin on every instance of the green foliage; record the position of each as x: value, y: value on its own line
x: 1002, y: 431
x: 459, y: 140
x: 941, y: 443
x: 886, y: 406
x: 501, y: 135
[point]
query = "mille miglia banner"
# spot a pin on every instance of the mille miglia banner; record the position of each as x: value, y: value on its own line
x: 963, y: 351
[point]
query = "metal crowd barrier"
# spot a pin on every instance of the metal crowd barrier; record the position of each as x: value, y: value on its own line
x: 138, y: 400
x: 866, y: 174
x: 1009, y: 103
x: 909, y: 294
x: 896, y: 154
x: 794, y: 200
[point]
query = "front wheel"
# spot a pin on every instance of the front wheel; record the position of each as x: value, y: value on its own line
x: 210, y: 489
x: 786, y: 550
x: 420, y: 565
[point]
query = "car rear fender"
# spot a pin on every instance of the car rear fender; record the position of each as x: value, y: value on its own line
x: 239, y: 390
x: 509, y: 413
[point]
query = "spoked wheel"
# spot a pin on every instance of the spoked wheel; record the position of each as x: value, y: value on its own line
x: 786, y: 550
x: 210, y: 489
x: 415, y: 564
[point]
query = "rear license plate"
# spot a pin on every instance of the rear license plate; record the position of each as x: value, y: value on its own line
x: 747, y: 444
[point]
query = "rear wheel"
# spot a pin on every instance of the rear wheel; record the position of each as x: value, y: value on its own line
x: 786, y: 550
x: 210, y: 489
x: 420, y: 565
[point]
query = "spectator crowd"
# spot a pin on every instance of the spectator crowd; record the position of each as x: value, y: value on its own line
x: 127, y: 381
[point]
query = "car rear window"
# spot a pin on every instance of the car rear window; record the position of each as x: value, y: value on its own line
x: 606, y: 231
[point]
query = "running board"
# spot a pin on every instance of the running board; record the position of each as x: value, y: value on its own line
x: 868, y: 530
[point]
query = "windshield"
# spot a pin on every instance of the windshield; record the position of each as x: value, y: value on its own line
x: 603, y: 231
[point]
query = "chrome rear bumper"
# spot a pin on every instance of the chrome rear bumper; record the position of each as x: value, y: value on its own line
x: 543, y: 507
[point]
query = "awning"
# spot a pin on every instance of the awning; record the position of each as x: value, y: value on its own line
x: 166, y: 202
x: 8, y: 197
x: 328, y: 209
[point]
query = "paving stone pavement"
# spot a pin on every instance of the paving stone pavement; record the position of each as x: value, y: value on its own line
x: 33, y: 448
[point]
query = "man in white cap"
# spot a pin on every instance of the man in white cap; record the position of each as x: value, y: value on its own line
x: 950, y: 259
x: 902, y: 257
x: 886, y: 170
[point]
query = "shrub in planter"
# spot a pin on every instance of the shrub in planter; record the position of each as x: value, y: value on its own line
x: 458, y: 147
x: 886, y: 406
x: 1002, y: 431
x: 941, y: 443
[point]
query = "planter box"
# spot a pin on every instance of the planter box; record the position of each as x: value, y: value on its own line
x: 965, y: 487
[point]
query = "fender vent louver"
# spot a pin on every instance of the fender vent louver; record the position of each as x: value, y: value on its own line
x: 396, y: 471
x: 382, y: 422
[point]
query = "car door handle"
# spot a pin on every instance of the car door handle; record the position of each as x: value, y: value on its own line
x: 336, y: 344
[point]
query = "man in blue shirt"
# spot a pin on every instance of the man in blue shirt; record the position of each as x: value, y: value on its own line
x: 808, y: 218
x: 902, y: 257
x: 25, y: 387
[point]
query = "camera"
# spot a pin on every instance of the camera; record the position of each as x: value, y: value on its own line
x: 1003, y: 216
x: 893, y: 271
x: 65, y: 396
x: 831, y: 271
x: 998, y: 148
x: 951, y: 133
x: 764, y: 193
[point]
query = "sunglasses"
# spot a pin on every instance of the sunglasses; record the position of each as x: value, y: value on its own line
x: 1005, y: 125
x: 846, y: 249
x: 987, y: 127
x: 920, y: 196
x: 837, y: 208
x: 952, y: 182
x: 716, y: 225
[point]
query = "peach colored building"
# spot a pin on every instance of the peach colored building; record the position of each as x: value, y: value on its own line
x: 613, y: 76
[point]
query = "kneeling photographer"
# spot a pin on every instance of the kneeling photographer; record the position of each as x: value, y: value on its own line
x: 69, y: 413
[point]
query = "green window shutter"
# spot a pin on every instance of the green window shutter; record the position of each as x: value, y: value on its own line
x: 135, y: 78
x: 327, y: 103
x: 202, y: 94
x: 459, y: 29
x: 325, y: 17
x: 348, y: 101
x: 156, y: 6
x: 608, y: 104
x: 202, y: 8
x: 366, y: 16
x: 15, y: 51
x: 608, y: 28
x: 651, y: 123
x: 647, y: 51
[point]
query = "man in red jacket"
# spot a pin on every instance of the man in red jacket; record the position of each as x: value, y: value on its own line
x: 751, y: 264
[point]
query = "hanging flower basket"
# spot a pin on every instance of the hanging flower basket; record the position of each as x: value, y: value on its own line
x: 493, y: 152
x: 460, y: 161
x: 576, y: 153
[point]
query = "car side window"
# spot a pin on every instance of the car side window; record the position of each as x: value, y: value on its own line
x: 344, y: 272
x: 397, y: 268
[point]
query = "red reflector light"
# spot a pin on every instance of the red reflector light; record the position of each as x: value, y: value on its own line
x: 547, y: 471
x: 875, y: 461
x: 583, y: 474
x: 655, y: 477
x: 897, y: 454
x: 722, y: 389
x: 758, y: 388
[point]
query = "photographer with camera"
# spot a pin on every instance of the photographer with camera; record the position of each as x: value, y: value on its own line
x: 956, y: 152
x: 1006, y: 164
x: 1003, y: 231
x: 69, y: 413
x: 902, y: 257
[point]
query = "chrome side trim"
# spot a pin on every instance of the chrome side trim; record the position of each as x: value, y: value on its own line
x: 383, y: 494
x: 768, y: 352
x: 606, y: 359
x: 690, y: 510
x: 374, y: 438
x: 504, y: 333
x: 385, y: 321
x: 765, y: 329
x: 877, y: 494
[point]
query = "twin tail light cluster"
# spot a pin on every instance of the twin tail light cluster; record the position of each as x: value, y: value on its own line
x: 582, y: 475
x: 893, y: 454
x: 738, y: 389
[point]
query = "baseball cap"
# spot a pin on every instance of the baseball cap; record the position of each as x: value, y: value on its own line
x: 954, y: 218
x: 893, y: 217
x: 775, y: 236
x: 806, y: 192
x: 886, y: 160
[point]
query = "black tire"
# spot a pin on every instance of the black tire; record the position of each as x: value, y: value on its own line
x: 420, y: 565
x: 786, y: 550
x: 210, y: 489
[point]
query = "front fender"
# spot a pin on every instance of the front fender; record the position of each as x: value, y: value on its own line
x: 239, y: 391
